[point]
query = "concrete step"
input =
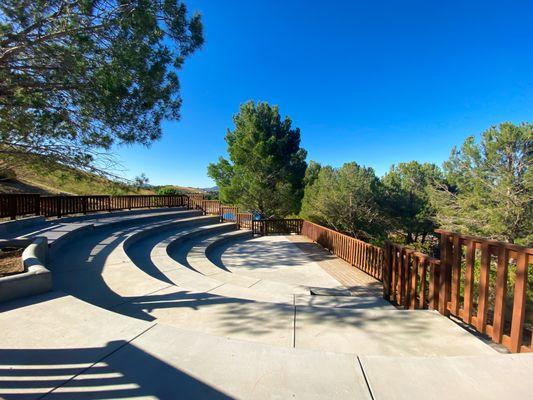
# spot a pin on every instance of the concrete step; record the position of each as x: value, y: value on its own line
x: 118, y: 284
x: 274, y: 259
x: 97, y: 268
x: 41, y: 225
x: 59, y: 347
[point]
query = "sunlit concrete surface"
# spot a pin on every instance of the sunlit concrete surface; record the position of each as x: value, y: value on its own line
x: 167, y: 364
x: 275, y: 258
x: 139, y: 321
x: 494, y: 377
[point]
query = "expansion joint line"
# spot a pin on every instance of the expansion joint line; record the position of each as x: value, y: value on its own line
x: 366, y: 379
x: 294, y: 320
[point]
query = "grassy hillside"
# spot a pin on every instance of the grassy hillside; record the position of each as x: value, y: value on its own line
x: 36, y: 175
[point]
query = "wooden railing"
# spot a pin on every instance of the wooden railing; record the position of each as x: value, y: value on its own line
x: 483, y: 283
x: 276, y: 226
x: 17, y: 205
x: 232, y: 214
x: 14, y: 205
x: 410, y: 278
x: 365, y: 256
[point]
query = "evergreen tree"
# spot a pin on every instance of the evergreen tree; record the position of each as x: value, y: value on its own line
x: 490, y: 186
x: 77, y: 76
x: 348, y: 199
x: 266, y: 167
x: 407, y: 192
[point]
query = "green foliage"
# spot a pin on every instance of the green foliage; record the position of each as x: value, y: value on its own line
x: 311, y: 173
x: 489, y: 190
x: 266, y: 167
x: 141, y: 181
x: 169, y: 191
x: 348, y: 199
x: 407, y: 188
x: 211, y: 196
x: 78, y: 76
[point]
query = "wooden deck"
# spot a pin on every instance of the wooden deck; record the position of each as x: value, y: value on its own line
x: 356, y: 281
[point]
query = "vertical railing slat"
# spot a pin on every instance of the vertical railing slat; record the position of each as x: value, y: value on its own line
x: 519, y: 304
x: 469, y: 281
x: 483, y: 295
x: 499, y: 301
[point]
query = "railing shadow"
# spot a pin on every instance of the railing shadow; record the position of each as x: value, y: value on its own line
x: 78, y: 373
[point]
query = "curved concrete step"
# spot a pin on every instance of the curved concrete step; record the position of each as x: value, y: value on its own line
x: 60, y: 232
x: 270, y: 259
x: 99, y: 219
x: 121, y: 286
x: 159, y: 264
x: 267, y: 272
x: 97, y: 269
x: 170, y: 257
x: 234, y: 286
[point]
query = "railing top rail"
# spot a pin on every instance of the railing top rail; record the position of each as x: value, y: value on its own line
x: 340, y: 233
x: 414, y: 252
x: 490, y: 242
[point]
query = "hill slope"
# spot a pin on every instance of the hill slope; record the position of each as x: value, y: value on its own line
x: 36, y: 175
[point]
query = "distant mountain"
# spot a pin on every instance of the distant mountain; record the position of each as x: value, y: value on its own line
x: 212, y: 189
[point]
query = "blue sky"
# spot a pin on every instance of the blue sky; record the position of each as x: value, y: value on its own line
x: 376, y: 82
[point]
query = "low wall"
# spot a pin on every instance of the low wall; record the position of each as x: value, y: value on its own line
x: 35, y: 279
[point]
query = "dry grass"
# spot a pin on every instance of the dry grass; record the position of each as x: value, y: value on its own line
x: 11, y: 262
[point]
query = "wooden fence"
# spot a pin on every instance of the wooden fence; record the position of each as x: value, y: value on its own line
x: 232, y: 214
x: 17, y: 205
x: 276, y: 226
x: 365, y: 256
x: 483, y: 283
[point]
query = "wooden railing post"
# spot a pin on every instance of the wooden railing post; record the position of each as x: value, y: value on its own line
x: 433, y: 292
x: 12, y: 205
x: 387, y: 271
x: 519, y: 304
x: 58, y: 205
x: 444, y: 273
x: 37, y: 204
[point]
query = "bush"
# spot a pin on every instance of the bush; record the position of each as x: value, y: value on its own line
x: 168, y: 191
